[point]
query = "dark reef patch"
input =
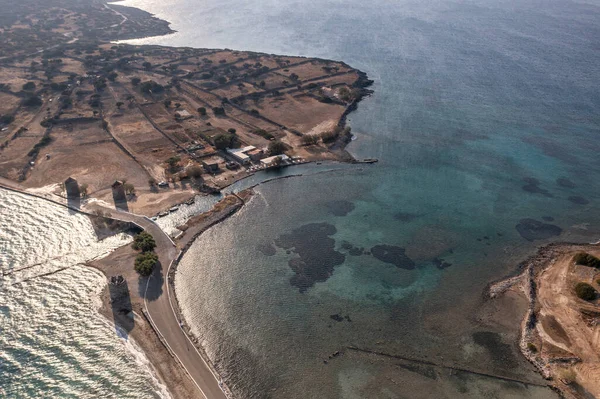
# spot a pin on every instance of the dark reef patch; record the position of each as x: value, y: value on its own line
x: 532, y: 185
x: 564, y: 182
x: 317, y: 256
x: 406, y: 216
x: 266, y: 249
x: 500, y: 352
x: 548, y: 218
x: 576, y: 199
x: 336, y: 317
x: 394, y: 255
x: 352, y: 250
x: 340, y: 208
x: 531, y: 229
x: 441, y: 263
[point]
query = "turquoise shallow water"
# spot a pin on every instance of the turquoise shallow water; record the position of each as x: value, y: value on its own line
x: 484, y: 118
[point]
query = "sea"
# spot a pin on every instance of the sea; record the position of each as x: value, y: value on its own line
x: 367, y: 281
x: 53, y: 341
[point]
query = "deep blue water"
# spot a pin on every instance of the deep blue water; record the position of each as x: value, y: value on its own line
x: 480, y: 109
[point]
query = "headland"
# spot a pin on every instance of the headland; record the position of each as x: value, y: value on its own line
x: 559, y: 333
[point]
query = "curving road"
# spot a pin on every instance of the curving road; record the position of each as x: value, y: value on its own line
x: 159, y: 308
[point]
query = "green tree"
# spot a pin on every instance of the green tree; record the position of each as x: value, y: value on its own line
x: 143, y: 242
x: 218, y: 111
x: 6, y: 119
x: 167, y: 103
x: 226, y: 140
x: 29, y: 86
x: 33, y: 101
x: 136, y: 81
x: 202, y: 111
x: 231, y: 130
x: 119, y: 105
x: 276, y: 162
x: 276, y: 147
x: 151, y: 86
x: 145, y: 262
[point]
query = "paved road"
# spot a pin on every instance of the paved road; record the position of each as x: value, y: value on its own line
x: 158, y: 306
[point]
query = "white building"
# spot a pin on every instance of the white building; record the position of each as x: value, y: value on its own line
x: 240, y: 154
x: 269, y: 160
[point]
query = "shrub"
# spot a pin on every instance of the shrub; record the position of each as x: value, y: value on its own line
x: 7, y: 119
x: 568, y: 376
x: 194, y: 171
x: 532, y: 347
x: 144, y: 263
x: 173, y: 161
x: 264, y: 133
x: 202, y: 111
x: 143, y: 242
x: 218, y: 111
x: 136, y: 81
x: 585, y: 291
x: 310, y: 139
x: 231, y: 130
x: 129, y: 188
x: 585, y: 259
x: 36, y: 148
x: 100, y: 84
x: 329, y: 137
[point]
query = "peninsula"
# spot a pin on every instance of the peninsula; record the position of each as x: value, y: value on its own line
x: 164, y: 122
